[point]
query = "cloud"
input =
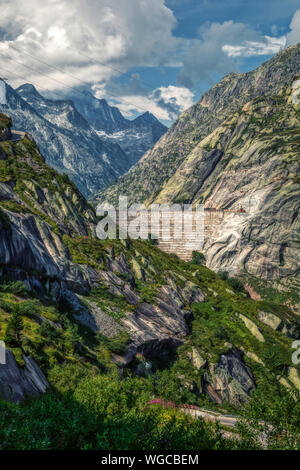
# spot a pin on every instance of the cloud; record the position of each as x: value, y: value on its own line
x: 166, y: 103
x: 75, y: 35
x: 98, y: 40
x: 173, y: 99
x: 218, y: 46
x: 254, y: 48
x: 293, y: 37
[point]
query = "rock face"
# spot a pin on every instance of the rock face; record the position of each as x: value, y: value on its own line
x: 236, y: 152
x: 225, y: 98
x: 230, y: 379
x: 65, y: 138
x: 134, y: 137
x: 70, y: 142
x: 136, y: 298
x: 17, y: 383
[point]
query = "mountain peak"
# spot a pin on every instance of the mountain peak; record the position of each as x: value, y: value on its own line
x: 27, y: 88
x: 146, y: 118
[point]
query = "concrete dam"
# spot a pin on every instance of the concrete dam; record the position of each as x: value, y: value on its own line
x: 180, y: 238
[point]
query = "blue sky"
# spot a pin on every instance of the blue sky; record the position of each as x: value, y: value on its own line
x: 156, y: 55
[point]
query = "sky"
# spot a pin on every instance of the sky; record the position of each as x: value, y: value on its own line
x: 141, y: 55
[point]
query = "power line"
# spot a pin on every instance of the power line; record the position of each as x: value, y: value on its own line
x: 70, y: 75
x: 66, y: 85
x: 110, y: 67
x: 33, y: 83
x: 114, y: 69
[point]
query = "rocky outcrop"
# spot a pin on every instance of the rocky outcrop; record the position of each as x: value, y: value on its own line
x: 290, y: 329
x: 253, y: 328
x: 236, y: 152
x: 230, y: 379
x: 17, y: 383
x: 196, y: 359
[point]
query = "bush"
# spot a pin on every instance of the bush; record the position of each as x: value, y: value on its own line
x: 234, y: 282
x: 13, y: 330
x: 16, y: 288
x: 198, y: 258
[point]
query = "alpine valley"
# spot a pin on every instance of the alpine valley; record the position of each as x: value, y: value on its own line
x: 75, y: 143
x: 116, y: 344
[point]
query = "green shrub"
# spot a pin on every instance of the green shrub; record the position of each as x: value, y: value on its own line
x: 198, y: 258
x: 16, y: 288
x: 13, y: 330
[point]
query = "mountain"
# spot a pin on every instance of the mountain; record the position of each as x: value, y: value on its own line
x: 68, y: 142
x: 98, y: 113
x: 111, y: 325
x: 134, y: 137
x: 66, y: 139
x: 237, y: 149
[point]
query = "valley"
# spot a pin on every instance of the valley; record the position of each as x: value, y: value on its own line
x: 82, y: 319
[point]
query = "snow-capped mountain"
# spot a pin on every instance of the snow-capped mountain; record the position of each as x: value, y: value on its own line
x: 99, y: 113
x: 134, y: 137
x: 67, y: 141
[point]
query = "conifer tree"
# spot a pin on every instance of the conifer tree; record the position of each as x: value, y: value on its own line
x: 13, y: 330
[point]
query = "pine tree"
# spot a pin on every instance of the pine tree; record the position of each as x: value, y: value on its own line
x: 13, y: 330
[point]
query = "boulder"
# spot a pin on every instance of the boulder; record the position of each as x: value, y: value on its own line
x: 196, y: 359
x: 269, y: 319
x: 230, y: 379
x: 17, y: 383
x: 252, y: 328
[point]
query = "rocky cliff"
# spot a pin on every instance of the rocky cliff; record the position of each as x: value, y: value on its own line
x: 104, y: 304
x: 67, y: 141
x: 237, y: 149
x: 134, y: 136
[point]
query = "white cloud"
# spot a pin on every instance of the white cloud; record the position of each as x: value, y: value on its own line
x: 204, y: 56
x: 120, y: 34
x: 293, y: 37
x: 173, y: 99
x: 75, y: 35
x: 270, y: 46
x: 166, y: 103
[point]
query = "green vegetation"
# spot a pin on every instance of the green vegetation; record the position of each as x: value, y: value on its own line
x: 92, y: 403
x: 4, y: 220
x: 13, y: 330
x: 198, y: 258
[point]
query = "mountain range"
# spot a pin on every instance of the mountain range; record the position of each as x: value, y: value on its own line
x: 102, y: 336
x: 135, y: 136
x: 69, y: 142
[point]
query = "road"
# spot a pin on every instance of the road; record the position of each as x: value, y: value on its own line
x: 225, y: 420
